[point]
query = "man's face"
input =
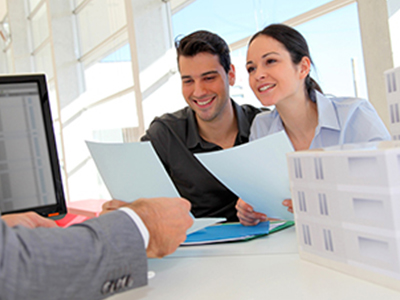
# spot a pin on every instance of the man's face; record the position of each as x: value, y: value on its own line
x: 205, y: 85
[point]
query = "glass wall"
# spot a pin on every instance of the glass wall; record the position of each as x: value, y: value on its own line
x: 234, y: 20
x: 394, y: 24
x: 107, y: 106
x: 104, y: 51
x: 334, y: 39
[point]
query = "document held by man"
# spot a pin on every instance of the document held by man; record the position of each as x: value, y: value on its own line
x: 133, y: 170
x: 257, y: 172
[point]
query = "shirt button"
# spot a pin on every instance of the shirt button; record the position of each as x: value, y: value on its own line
x: 120, y: 283
x: 129, y: 281
x: 105, y: 289
x: 113, y: 286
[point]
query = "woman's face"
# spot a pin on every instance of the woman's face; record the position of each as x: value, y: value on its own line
x: 272, y: 75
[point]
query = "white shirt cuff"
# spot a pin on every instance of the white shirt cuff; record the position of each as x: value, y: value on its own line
x: 139, y: 223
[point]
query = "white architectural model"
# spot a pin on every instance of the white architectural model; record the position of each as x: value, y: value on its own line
x: 392, y: 78
x: 347, y: 208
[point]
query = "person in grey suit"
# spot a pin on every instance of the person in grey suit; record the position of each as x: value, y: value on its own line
x: 91, y: 260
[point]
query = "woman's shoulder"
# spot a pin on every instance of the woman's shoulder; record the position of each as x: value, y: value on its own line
x: 344, y: 101
x: 264, y: 124
x: 347, y: 106
x: 266, y: 115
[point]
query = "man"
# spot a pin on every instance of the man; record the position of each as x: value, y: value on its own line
x: 212, y: 121
x: 91, y: 260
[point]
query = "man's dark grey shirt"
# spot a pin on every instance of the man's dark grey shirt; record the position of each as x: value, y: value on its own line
x: 175, y: 138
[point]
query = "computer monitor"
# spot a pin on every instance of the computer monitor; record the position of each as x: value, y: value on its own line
x: 30, y: 177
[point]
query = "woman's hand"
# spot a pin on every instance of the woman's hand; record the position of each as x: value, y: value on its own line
x: 289, y: 204
x: 247, y: 216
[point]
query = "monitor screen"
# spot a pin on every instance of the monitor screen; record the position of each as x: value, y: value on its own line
x: 30, y: 176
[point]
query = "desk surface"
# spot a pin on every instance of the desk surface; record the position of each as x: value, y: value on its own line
x: 265, y: 268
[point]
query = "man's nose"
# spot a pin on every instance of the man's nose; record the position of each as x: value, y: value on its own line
x: 199, y: 90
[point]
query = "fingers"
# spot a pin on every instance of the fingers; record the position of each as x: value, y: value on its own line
x: 28, y: 220
x: 289, y: 204
x: 112, y: 205
x: 247, y: 216
x: 44, y: 222
x: 167, y: 220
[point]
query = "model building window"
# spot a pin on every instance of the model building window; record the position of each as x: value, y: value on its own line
x: 302, y: 201
x: 319, y: 174
x: 297, y: 168
x: 363, y: 167
x: 391, y: 82
x: 328, y: 240
x: 394, y: 113
x: 323, y: 204
x: 306, y: 234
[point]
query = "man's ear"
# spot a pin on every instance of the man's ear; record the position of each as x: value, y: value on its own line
x: 304, y: 67
x: 232, y: 75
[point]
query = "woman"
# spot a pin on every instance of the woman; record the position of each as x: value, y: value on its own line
x: 278, y: 63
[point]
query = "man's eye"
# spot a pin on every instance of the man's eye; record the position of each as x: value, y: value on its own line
x: 209, y: 78
x: 187, y: 81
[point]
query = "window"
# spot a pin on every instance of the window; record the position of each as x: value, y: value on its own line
x: 319, y: 174
x: 323, y: 204
x: 302, y: 201
x: 335, y: 45
x: 306, y: 235
x: 234, y: 20
x: 394, y: 25
x: 101, y: 41
x: 297, y: 168
x: 328, y: 240
x: 98, y: 20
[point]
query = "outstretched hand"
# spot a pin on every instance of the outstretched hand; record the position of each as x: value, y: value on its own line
x: 112, y: 205
x: 28, y: 219
x: 166, y: 219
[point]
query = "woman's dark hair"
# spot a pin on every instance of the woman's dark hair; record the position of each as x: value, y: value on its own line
x: 296, y: 45
x: 204, y: 41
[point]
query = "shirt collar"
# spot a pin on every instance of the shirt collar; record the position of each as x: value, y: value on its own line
x: 193, y: 136
x: 327, y: 116
x: 243, y: 124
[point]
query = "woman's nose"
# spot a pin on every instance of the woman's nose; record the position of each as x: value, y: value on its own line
x: 260, y: 74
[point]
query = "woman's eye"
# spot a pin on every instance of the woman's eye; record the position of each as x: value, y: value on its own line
x: 250, y: 69
x: 270, y: 61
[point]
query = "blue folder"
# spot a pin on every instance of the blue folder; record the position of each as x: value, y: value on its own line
x: 226, y: 233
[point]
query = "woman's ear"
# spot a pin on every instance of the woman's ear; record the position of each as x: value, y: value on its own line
x: 304, y: 67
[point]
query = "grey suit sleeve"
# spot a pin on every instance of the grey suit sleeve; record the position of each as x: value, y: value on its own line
x: 91, y: 260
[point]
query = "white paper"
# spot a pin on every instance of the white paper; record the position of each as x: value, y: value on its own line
x: 257, y: 172
x: 133, y: 170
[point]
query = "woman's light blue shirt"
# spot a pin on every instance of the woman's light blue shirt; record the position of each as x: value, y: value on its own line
x: 340, y: 121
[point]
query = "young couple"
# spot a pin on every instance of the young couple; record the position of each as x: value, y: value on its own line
x: 278, y: 64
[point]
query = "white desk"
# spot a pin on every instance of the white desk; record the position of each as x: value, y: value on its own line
x: 265, y: 268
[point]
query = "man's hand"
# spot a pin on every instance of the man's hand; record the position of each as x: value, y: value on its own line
x: 167, y: 220
x: 247, y: 216
x: 29, y: 219
x: 111, y: 205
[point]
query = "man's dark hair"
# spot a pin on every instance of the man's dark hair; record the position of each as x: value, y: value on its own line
x: 204, y: 41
